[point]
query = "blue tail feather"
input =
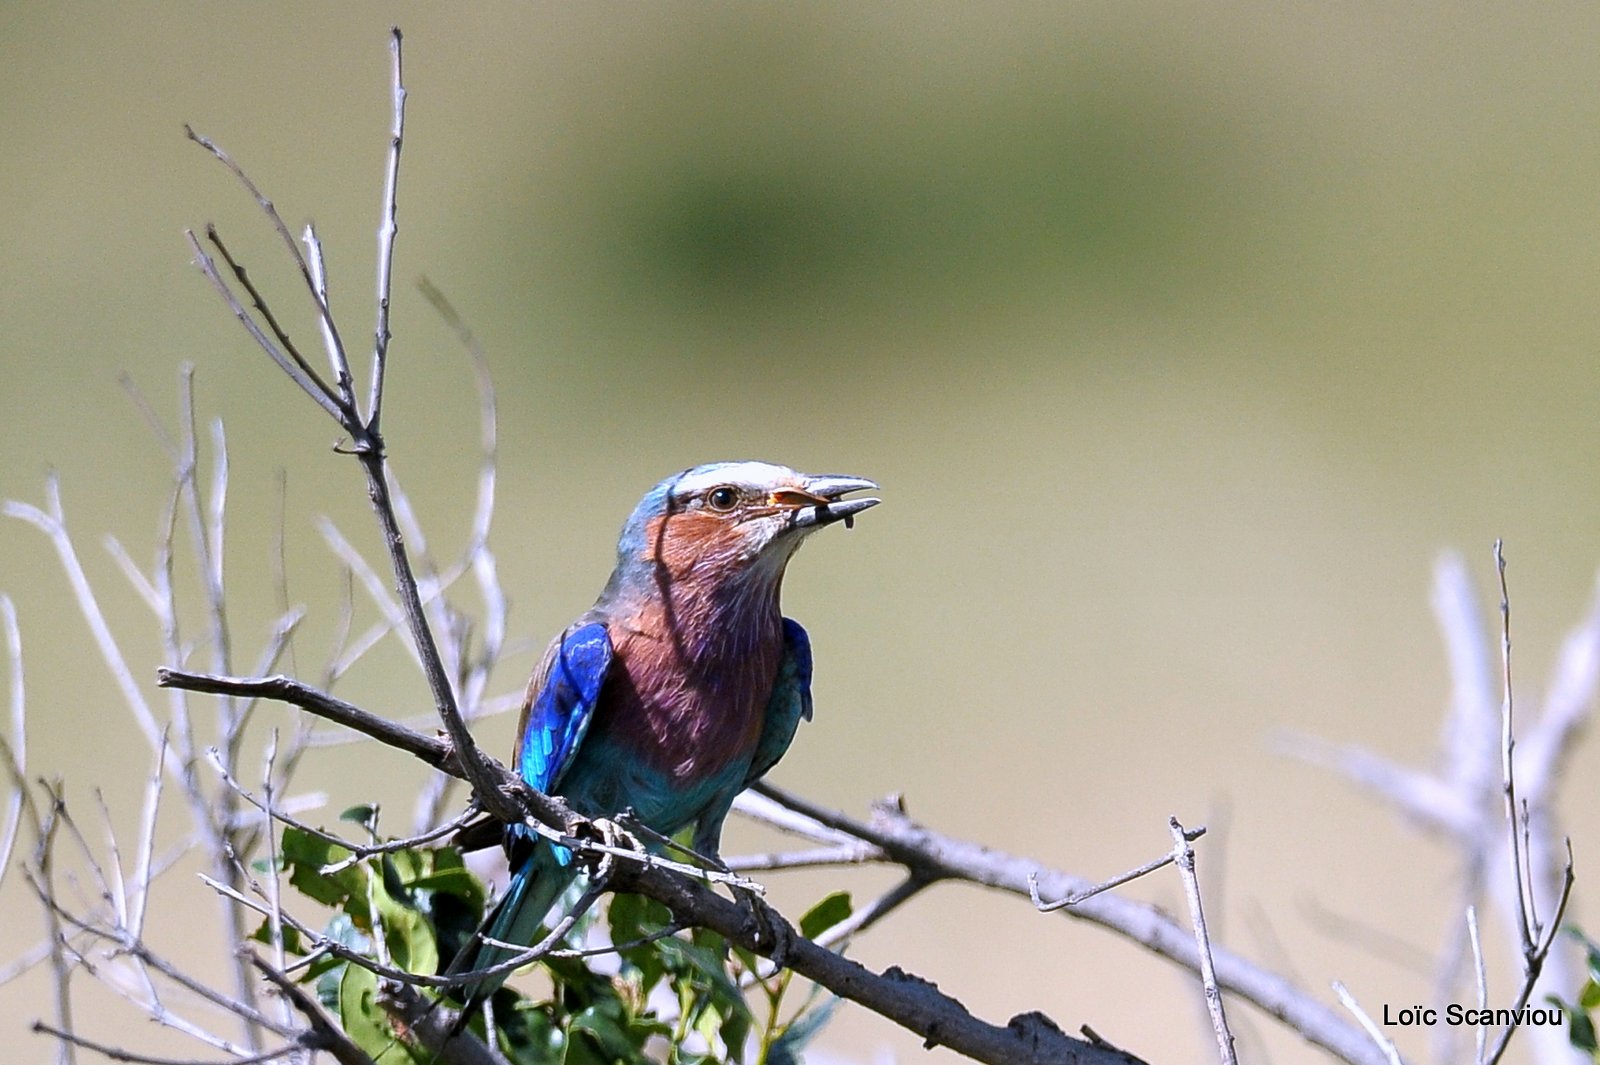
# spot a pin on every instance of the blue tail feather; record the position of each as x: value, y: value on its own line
x: 518, y: 916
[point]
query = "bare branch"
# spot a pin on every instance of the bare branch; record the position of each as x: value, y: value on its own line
x: 278, y: 226
x: 939, y: 857
x: 873, y: 912
x: 386, y: 234
x: 1189, y: 835
x: 52, y: 523
x: 14, y: 750
x: 840, y: 854
x: 318, y: 270
x: 1391, y: 1053
x: 1526, y: 918
x: 1183, y: 856
x: 1482, y: 974
x: 434, y: 752
x: 61, y: 969
x: 70, y: 1039
x: 289, y: 361
x: 1533, y: 962
x: 324, y: 1034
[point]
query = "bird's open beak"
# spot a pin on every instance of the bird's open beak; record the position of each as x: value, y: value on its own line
x: 819, y: 501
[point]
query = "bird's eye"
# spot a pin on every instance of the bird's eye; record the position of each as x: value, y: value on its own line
x: 723, y: 497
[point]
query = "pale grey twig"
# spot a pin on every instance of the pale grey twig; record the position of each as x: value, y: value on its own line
x: 386, y: 234
x: 317, y: 267
x: 376, y: 587
x: 1533, y: 961
x: 61, y: 970
x: 15, y: 749
x: 837, y: 854
x: 873, y: 912
x: 67, y: 1037
x: 276, y: 220
x: 1526, y: 917
x: 1482, y: 974
x: 274, y: 871
x: 130, y: 569
x: 1468, y: 738
x: 360, y: 852
x: 1391, y: 1053
x: 940, y: 857
x: 1568, y: 705
x: 52, y: 522
x: 1189, y: 835
x: 288, y: 358
x: 1183, y: 858
x: 324, y: 1033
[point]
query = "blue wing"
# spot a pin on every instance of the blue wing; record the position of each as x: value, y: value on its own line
x: 790, y: 701
x: 562, y: 705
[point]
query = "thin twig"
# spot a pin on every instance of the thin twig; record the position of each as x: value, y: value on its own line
x: 14, y: 750
x: 839, y: 854
x: 1183, y: 857
x: 1391, y: 1053
x: 433, y: 751
x: 61, y: 970
x: 52, y: 522
x: 1525, y: 914
x: 115, y: 1053
x: 1189, y: 835
x: 1533, y: 963
x: 324, y: 1034
x: 276, y: 220
x: 386, y: 234
x: 294, y: 365
x: 318, y: 270
x: 942, y: 857
x: 1482, y: 974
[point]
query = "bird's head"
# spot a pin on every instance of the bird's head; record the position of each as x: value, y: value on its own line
x: 733, y: 520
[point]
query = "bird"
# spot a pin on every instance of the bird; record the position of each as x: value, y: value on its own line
x: 680, y: 687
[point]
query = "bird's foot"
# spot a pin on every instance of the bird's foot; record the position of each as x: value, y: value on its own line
x: 772, y: 933
x: 616, y: 840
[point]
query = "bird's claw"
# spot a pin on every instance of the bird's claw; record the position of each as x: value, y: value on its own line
x: 615, y: 838
x: 771, y: 931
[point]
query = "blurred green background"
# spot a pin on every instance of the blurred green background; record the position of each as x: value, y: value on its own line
x: 1181, y: 338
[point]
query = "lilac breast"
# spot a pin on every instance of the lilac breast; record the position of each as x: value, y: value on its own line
x: 691, y: 698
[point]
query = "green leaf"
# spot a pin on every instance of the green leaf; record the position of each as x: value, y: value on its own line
x: 1589, y: 997
x: 785, y: 1050
x: 360, y: 815
x: 457, y: 881
x: 825, y: 914
x: 406, y: 931
x: 709, y: 1023
x: 1581, y: 1033
x: 693, y: 960
x: 305, y: 856
x: 631, y: 918
x: 291, y: 937
x: 367, y: 1024
x: 527, y: 1035
x: 603, y: 1022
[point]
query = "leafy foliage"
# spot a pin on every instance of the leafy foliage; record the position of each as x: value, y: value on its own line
x: 1581, y: 1014
x: 649, y: 994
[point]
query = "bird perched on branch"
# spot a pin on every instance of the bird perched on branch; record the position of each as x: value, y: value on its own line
x: 681, y: 686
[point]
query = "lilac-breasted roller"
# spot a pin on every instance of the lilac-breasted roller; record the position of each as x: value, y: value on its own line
x: 682, y: 685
